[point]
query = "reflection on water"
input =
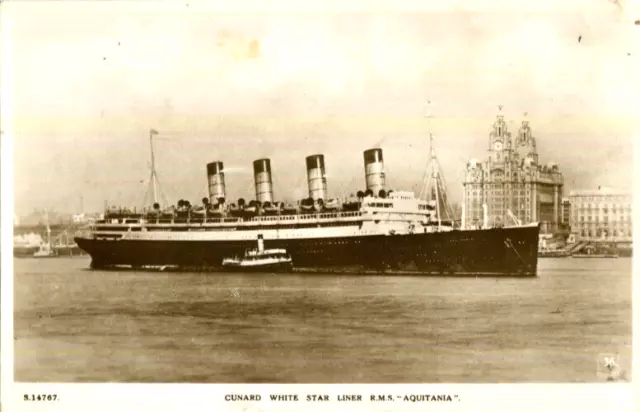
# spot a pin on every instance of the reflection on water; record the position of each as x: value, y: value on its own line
x: 77, y: 325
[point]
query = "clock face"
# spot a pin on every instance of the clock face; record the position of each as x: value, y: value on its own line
x: 497, y: 145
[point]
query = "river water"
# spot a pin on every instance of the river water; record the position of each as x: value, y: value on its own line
x: 73, y: 324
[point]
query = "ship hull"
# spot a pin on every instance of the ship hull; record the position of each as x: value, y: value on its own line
x: 501, y: 251
x: 270, y: 267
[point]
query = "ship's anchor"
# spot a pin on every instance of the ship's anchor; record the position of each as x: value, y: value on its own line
x: 508, y: 244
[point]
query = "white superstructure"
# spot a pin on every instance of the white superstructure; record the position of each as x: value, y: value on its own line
x: 394, y: 214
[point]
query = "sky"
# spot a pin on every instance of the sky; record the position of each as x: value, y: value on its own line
x: 90, y: 81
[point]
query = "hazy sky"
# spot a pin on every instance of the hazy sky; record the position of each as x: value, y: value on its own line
x: 89, y: 83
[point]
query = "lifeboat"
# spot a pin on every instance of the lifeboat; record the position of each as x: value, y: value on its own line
x: 235, y: 210
x: 216, y: 211
x: 252, y: 208
x: 289, y: 209
x: 307, y: 205
x: 269, y: 208
x: 168, y: 212
x: 198, y: 211
x: 353, y: 203
x: 331, y: 205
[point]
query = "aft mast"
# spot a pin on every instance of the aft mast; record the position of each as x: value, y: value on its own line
x: 435, y: 188
x: 46, y: 217
x: 154, y: 176
x: 154, y: 187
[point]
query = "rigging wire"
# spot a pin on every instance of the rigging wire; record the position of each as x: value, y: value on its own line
x: 435, y: 187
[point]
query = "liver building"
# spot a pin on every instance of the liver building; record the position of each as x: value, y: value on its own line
x: 512, y: 183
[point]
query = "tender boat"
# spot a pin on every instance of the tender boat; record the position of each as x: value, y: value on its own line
x: 45, y: 251
x: 546, y: 253
x: 595, y: 255
x: 260, y: 260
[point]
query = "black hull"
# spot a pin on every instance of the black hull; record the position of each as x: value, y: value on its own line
x: 504, y: 251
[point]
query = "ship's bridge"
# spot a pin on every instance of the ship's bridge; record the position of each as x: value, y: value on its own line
x: 402, y: 195
x: 397, y: 202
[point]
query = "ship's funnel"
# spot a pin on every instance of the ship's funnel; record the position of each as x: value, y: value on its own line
x: 374, y: 170
x: 316, y: 177
x: 215, y: 177
x: 262, y: 179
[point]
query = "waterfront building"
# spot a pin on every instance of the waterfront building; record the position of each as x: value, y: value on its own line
x: 79, y: 218
x: 513, y: 184
x: 603, y: 214
x: 565, y: 219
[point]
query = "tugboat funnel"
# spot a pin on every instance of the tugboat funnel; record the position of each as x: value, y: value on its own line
x: 260, y: 244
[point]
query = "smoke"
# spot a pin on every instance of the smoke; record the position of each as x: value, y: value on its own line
x: 378, y: 144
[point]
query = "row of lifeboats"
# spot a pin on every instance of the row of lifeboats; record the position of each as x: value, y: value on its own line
x: 241, y: 208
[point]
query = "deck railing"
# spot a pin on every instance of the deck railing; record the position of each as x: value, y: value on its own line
x: 257, y: 220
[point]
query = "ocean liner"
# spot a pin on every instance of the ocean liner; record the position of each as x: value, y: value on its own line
x: 377, y: 231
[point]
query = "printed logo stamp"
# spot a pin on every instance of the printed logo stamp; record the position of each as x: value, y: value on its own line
x: 610, y: 368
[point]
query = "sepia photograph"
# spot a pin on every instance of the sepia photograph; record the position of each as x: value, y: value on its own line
x: 216, y: 195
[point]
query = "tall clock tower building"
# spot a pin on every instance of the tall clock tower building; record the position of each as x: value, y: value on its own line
x: 512, y: 183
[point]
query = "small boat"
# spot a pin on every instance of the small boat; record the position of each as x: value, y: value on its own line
x: 235, y: 210
x: 596, y: 255
x: 45, y: 251
x: 22, y: 250
x: 332, y: 205
x: 353, y: 202
x: 198, y: 211
x: 289, y: 209
x: 307, y: 205
x: 351, y: 205
x: 250, y: 211
x: 328, y: 206
x: 215, y: 213
x: 269, y: 208
x: 545, y: 253
x: 260, y: 260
